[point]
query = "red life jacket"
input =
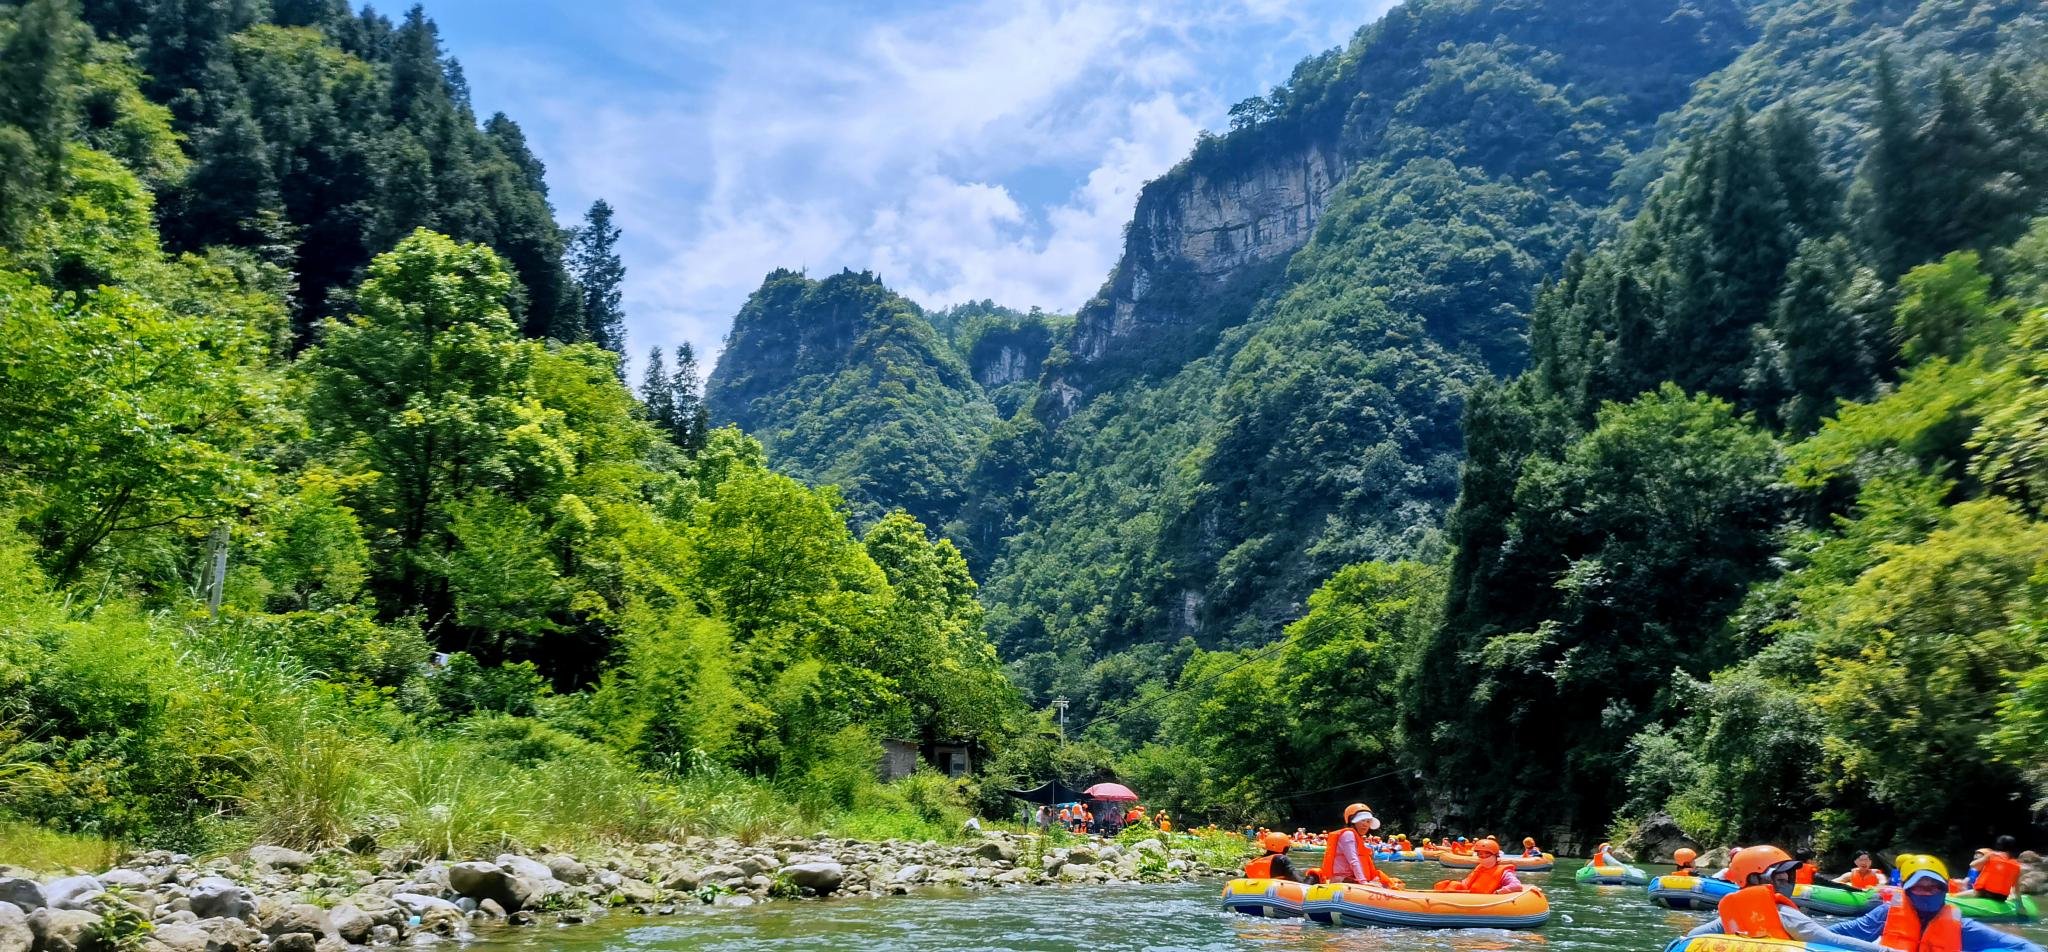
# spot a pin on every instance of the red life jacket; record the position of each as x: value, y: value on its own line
x: 1999, y: 874
x: 1865, y: 878
x: 1261, y: 868
x: 1753, y: 913
x: 1804, y: 875
x: 1903, y: 931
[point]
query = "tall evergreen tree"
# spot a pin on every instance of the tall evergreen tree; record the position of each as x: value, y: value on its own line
x: 686, y: 394
x: 655, y: 394
x: 594, y: 259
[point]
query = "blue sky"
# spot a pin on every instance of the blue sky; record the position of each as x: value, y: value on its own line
x: 962, y: 150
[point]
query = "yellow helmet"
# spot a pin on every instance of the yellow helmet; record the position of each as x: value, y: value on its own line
x: 1913, y: 866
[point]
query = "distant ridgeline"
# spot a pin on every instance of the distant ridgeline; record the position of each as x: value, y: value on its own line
x: 1278, y: 378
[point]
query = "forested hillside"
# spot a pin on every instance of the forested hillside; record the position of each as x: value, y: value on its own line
x: 1622, y: 280
x: 317, y: 522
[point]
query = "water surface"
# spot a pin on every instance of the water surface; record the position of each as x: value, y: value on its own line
x: 1186, y: 917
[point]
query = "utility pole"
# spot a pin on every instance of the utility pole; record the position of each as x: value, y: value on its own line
x: 1060, y: 704
x: 217, y: 570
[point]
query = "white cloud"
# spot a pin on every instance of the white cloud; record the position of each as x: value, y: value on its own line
x: 992, y: 148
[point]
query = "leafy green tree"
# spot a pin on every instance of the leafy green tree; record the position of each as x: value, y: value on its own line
x: 430, y: 389
x: 39, y: 49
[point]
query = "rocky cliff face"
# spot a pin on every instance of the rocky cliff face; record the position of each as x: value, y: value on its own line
x: 1215, y: 227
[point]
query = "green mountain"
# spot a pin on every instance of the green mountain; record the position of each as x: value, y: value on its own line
x: 1296, y: 367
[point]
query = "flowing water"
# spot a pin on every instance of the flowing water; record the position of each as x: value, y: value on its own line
x: 1186, y: 916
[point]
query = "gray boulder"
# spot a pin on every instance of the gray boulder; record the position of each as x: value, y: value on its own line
x: 215, y: 897
x: 521, y: 866
x: 723, y: 872
x: 482, y: 881
x: 416, y: 904
x: 177, y: 937
x: 224, y: 934
x: 277, y: 857
x: 300, y: 917
x: 15, y: 935
x: 124, y: 878
x: 66, y: 930
x: 911, y: 874
x: 351, y: 923
x: 1656, y: 838
x: 820, y: 878
x: 681, y: 879
x: 1081, y: 856
x: 568, y: 870
x: 22, y: 892
x: 295, y: 942
x: 72, y: 892
x: 997, y: 850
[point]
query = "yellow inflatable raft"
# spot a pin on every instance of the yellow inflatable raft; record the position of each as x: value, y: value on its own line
x: 1354, y: 905
x: 1266, y: 898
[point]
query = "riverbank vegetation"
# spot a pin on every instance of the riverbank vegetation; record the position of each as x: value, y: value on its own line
x: 473, y: 594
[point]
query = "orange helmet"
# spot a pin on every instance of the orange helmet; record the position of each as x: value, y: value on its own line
x: 1358, y: 808
x: 1528, y: 841
x: 1488, y: 845
x: 1276, y: 842
x: 1753, y: 861
x: 1684, y: 856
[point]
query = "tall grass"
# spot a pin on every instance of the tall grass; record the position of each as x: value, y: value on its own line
x: 450, y: 800
x: 40, y: 848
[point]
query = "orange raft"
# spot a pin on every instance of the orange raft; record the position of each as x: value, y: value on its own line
x: 1526, y: 864
x: 1355, y: 905
x: 1267, y: 898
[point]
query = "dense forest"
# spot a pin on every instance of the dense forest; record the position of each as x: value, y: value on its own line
x: 273, y: 301
x: 1646, y: 396
x: 1638, y: 395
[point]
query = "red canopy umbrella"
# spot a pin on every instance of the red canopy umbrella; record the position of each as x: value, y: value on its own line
x: 1112, y: 793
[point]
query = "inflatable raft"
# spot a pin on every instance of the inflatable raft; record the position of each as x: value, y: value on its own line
x: 1736, y: 943
x: 1612, y: 876
x: 1266, y: 898
x: 1400, y: 856
x: 1354, y: 905
x: 1526, y: 864
x: 1688, y: 892
x: 2017, y: 909
x: 1822, y: 899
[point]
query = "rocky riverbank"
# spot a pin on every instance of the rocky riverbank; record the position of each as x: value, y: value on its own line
x: 282, y: 900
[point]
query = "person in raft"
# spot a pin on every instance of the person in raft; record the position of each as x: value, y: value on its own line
x: 1604, y: 856
x: 1347, y: 860
x: 1807, y: 871
x: 1529, y: 848
x: 1918, y: 918
x: 1997, y: 872
x: 1864, y: 875
x: 1683, y: 858
x: 1490, y: 876
x: 1760, y: 910
x: 1275, y: 864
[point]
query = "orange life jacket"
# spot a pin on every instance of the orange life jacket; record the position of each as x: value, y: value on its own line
x: 1261, y: 868
x: 1903, y: 931
x: 1483, y: 879
x: 1365, y: 863
x: 1685, y: 871
x: 1865, y: 878
x: 1753, y: 913
x: 1999, y: 874
x: 1804, y: 875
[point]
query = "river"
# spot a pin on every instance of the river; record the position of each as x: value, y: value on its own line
x: 1183, y: 916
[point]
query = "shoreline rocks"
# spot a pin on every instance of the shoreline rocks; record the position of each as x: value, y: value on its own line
x: 270, y: 899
